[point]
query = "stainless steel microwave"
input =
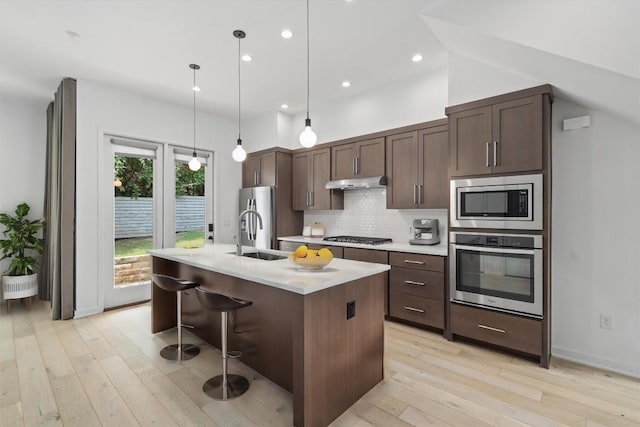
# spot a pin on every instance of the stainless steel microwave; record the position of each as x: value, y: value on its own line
x: 502, y: 202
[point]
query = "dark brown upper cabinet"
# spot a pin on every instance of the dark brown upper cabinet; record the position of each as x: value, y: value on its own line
x: 498, y: 135
x: 417, y: 171
x: 311, y: 171
x: 358, y: 160
x: 259, y: 169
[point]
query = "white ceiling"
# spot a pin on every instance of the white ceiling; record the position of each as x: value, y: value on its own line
x: 145, y: 46
x: 589, y: 50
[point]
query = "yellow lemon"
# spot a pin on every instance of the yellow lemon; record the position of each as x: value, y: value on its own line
x: 300, y: 252
x: 325, y: 253
x: 312, y: 253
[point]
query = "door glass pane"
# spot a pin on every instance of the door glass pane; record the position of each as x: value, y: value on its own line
x: 496, y: 274
x: 133, y: 214
x: 190, y: 206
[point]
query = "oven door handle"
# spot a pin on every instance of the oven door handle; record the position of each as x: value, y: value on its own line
x: 495, y: 249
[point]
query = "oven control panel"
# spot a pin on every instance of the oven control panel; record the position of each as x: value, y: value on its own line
x: 497, y: 240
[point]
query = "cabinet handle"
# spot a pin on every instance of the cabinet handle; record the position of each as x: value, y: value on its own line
x: 413, y: 309
x: 353, y: 165
x: 486, y: 155
x: 310, y: 198
x: 410, y: 261
x: 258, y: 178
x: 411, y: 282
x: 489, y: 328
x: 419, y: 193
x: 495, y: 153
x: 415, y: 198
x: 307, y: 200
x: 357, y: 165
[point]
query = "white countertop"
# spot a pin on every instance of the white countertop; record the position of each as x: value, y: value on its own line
x: 440, y: 249
x: 280, y: 274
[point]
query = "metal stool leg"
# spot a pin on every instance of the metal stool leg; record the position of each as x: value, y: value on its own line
x: 179, y: 351
x: 225, y: 386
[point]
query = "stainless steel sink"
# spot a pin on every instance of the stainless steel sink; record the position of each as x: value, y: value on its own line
x: 262, y: 255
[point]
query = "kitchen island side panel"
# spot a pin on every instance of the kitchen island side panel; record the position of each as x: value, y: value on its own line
x: 342, y: 358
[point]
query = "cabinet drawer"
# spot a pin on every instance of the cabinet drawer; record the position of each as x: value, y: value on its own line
x: 425, y: 311
x: 423, y: 262
x: 366, y: 255
x: 429, y: 284
x: 497, y: 328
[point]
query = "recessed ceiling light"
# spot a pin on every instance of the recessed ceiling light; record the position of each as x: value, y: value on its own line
x: 346, y: 83
x: 196, y: 89
x: 416, y: 58
x: 73, y: 35
x: 284, y: 106
x: 286, y: 34
x: 246, y: 57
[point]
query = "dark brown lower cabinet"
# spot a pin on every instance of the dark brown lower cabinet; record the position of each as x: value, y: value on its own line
x: 501, y: 329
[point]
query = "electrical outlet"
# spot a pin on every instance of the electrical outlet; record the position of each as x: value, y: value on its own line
x: 606, y: 322
x: 351, y: 309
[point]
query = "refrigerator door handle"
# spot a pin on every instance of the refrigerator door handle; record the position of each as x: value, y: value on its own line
x: 254, y: 220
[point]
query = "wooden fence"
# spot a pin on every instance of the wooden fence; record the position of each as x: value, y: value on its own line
x: 134, y: 217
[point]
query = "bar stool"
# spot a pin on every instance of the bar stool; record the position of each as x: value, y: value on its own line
x: 177, y: 351
x: 225, y: 386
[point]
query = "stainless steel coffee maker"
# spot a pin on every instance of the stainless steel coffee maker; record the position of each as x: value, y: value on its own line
x: 425, y: 232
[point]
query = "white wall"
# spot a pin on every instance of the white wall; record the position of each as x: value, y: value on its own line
x: 23, y: 133
x: 596, y: 230
x: 595, y: 223
x: 103, y: 109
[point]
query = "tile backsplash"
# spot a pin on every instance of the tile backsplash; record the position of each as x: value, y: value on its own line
x: 365, y: 214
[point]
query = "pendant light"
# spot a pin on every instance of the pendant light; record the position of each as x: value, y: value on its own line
x: 308, y: 137
x: 238, y: 153
x: 194, y: 164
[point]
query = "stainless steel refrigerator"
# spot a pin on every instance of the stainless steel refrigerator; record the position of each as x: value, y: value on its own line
x: 262, y: 200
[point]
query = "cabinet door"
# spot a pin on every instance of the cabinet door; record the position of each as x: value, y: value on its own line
x: 343, y: 160
x: 300, y: 181
x: 402, y: 170
x: 267, y: 171
x: 470, y: 142
x: 370, y: 158
x: 320, y: 175
x: 517, y: 132
x: 434, y: 176
x: 250, y: 168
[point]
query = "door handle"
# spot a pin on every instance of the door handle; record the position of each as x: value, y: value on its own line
x: 413, y: 309
x: 486, y: 155
x: 495, y: 153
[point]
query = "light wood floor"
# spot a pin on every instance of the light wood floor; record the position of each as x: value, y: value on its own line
x: 106, y: 370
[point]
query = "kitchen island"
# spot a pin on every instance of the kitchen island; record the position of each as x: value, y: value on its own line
x: 296, y: 333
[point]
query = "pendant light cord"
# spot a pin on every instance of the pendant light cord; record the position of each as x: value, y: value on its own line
x: 239, y: 88
x: 307, y: 59
x: 194, y: 112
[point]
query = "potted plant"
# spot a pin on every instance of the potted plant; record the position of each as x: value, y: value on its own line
x: 20, y: 243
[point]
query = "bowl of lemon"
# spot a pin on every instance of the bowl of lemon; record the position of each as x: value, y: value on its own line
x: 310, y: 259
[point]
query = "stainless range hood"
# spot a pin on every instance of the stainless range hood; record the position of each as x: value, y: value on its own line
x: 357, y: 183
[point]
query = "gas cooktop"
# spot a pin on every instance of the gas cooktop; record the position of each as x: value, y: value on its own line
x: 360, y: 240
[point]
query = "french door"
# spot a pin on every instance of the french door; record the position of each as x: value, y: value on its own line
x: 151, y: 200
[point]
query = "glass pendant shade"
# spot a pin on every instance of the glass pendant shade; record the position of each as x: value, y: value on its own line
x: 308, y: 137
x: 238, y: 153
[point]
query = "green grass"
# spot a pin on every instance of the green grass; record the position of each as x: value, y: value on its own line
x: 140, y: 245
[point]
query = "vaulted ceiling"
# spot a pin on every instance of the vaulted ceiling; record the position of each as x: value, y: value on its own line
x: 588, y: 49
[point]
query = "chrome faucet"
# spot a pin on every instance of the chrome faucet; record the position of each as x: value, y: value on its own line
x: 239, y: 238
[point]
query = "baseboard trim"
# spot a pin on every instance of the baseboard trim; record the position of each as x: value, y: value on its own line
x: 87, y: 312
x: 596, y: 362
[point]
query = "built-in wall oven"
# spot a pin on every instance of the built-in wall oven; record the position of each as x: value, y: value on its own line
x: 502, y: 202
x: 497, y: 271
